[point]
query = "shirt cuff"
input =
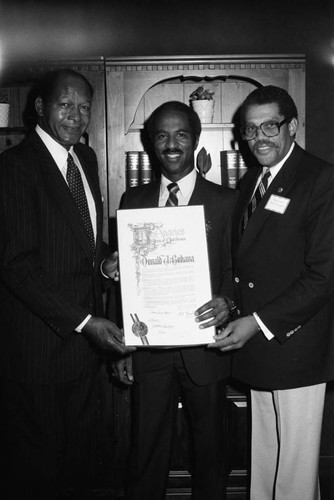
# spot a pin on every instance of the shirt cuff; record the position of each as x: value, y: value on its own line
x: 267, y: 333
x: 82, y: 324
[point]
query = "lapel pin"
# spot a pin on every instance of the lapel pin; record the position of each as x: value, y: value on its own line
x: 280, y: 190
x: 208, y: 227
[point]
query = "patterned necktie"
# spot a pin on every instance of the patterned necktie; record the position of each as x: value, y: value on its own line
x: 172, y: 201
x: 76, y: 186
x: 257, y: 197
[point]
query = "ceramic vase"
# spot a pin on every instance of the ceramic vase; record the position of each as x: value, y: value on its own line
x: 204, y: 108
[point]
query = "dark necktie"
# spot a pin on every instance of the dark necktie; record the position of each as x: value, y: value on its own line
x: 257, y: 197
x: 76, y: 186
x: 172, y: 200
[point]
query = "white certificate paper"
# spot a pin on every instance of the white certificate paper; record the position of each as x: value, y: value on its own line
x: 164, y: 275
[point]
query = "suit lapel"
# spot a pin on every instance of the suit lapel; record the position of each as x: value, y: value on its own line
x: 152, y: 194
x: 197, y: 194
x: 280, y: 186
x: 59, y: 192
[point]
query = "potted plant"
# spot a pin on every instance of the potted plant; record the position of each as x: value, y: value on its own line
x: 4, y: 110
x: 202, y: 102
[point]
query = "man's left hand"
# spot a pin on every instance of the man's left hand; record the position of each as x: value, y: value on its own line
x: 236, y: 334
x: 216, y: 311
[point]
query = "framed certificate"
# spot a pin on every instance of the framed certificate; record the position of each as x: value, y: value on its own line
x: 164, y: 275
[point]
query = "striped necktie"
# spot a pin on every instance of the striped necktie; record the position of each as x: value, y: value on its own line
x: 257, y: 197
x: 172, y: 200
x: 76, y: 186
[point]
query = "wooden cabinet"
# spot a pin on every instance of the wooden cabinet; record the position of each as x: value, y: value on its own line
x: 11, y: 136
x: 136, y: 86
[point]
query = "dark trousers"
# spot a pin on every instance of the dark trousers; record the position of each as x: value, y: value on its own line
x: 155, y: 404
x: 48, y: 441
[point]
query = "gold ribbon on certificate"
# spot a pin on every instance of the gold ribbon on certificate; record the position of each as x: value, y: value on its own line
x: 139, y: 329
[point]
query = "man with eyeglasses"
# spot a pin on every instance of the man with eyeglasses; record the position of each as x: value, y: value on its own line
x: 283, y: 263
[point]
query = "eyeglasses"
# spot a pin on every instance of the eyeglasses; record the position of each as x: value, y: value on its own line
x: 269, y: 129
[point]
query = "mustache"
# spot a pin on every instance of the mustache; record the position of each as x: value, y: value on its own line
x: 169, y: 151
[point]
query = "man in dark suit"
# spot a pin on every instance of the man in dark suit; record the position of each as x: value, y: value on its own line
x: 283, y: 260
x: 196, y: 374
x: 52, y: 328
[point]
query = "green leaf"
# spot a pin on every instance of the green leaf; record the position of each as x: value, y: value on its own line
x: 203, y: 161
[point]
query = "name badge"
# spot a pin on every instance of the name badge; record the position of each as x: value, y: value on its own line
x: 277, y: 204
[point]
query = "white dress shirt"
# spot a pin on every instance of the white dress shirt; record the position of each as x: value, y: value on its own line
x: 186, y: 188
x: 59, y: 154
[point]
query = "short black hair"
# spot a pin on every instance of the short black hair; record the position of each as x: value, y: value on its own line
x: 194, y: 121
x: 270, y: 94
x: 49, y: 81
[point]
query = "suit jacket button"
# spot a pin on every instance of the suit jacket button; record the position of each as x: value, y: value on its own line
x: 251, y: 285
x: 236, y: 279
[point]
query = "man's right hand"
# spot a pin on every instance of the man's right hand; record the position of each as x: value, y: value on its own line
x: 122, y: 370
x: 106, y: 335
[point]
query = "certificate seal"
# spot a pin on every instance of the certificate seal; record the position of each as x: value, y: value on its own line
x: 139, y: 329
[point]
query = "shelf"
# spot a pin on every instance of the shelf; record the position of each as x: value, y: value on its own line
x: 217, y: 126
x: 13, y: 130
x: 205, y: 126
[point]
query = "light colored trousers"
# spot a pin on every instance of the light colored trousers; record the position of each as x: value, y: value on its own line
x: 285, y: 446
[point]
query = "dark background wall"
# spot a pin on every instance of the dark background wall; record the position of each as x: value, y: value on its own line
x: 36, y: 30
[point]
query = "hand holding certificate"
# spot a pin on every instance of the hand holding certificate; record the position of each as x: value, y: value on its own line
x: 164, y: 275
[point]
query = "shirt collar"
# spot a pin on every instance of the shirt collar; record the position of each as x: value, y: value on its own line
x: 57, y: 151
x: 186, y: 184
x: 276, y: 168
